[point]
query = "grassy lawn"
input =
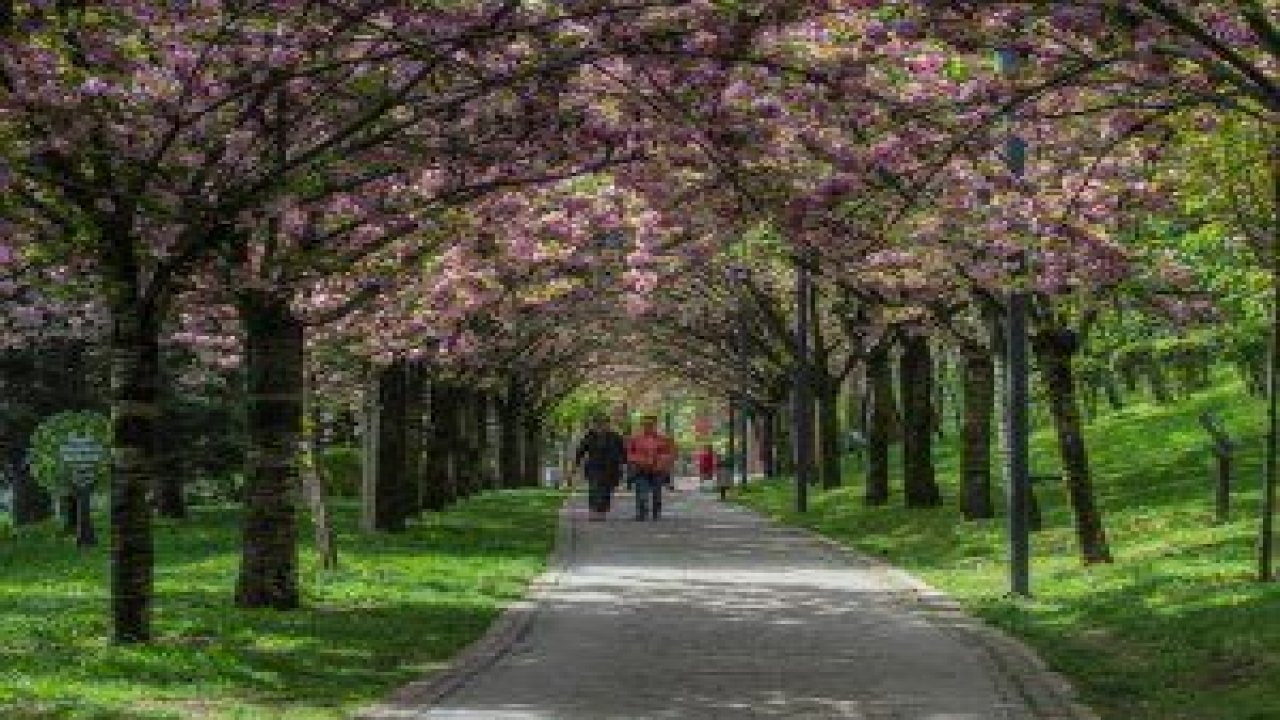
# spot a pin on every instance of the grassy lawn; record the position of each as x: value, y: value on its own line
x: 397, y: 608
x: 1175, y: 629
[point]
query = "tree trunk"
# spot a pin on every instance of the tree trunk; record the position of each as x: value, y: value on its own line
x: 31, y: 502
x: 173, y: 459
x: 509, y: 453
x: 916, y: 375
x: 829, y: 450
x: 532, y: 452
x: 1054, y: 349
x: 766, y: 430
x: 312, y: 481
x: 480, y: 433
x: 274, y: 361
x: 465, y: 445
x: 390, y: 486
x: 135, y: 365
x: 415, y: 389
x: 442, y: 490
x: 880, y: 427
x: 70, y: 513
x: 975, y: 463
x: 369, y: 450
x: 785, y: 454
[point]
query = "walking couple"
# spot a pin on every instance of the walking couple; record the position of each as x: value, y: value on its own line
x: 648, y: 455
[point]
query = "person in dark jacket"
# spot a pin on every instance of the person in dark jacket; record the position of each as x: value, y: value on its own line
x: 600, y: 455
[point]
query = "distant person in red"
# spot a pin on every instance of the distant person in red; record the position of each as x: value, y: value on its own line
x: 705, y: 459
x: 651, y: 456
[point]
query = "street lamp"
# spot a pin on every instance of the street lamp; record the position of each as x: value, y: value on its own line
x: 802, y: 393
x: 1018, y: 479
x: 740, y: 276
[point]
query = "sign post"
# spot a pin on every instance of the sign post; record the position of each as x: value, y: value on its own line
x: 81, y: 455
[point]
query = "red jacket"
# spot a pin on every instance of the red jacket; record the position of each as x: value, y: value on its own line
x: 706, y: 460
x: 651, y: 453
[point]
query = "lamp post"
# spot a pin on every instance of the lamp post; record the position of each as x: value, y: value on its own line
x: 802, y: 393
x: 740, y: 277
x: 1018, y: 478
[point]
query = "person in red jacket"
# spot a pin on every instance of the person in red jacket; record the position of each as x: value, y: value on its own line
x: 705, y: 459
x: 651, y: 456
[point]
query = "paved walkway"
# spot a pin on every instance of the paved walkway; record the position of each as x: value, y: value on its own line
x: 713, y: 612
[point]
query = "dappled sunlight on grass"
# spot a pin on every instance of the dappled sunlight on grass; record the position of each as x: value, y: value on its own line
x: 1175, y: 629
x: 398, y: 606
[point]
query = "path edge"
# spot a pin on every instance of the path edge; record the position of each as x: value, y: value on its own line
x: 504, y: 632
x: 1049, y: 693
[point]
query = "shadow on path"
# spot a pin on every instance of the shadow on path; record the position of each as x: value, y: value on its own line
x: 713, y: 612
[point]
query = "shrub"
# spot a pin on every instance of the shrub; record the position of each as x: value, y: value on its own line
x: 46, y: 442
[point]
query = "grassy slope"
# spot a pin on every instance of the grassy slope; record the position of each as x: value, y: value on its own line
x: 1176, y: 629
x: 397, y: 607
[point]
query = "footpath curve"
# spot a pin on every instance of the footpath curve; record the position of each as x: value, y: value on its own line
x: 714, y: 612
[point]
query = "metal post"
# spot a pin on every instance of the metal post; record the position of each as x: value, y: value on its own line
x: 733, y: 431
x: 85, y: 536
x: 1018, y: 481
x: 1266, y: 532
x: 743, y: 458
x: 802, y: 394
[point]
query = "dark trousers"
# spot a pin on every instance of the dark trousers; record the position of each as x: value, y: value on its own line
x: 600, y: 485
x: 648, y: 490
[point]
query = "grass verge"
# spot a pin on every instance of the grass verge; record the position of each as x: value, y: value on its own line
x: 1175, y: 629
x: 398, y: 607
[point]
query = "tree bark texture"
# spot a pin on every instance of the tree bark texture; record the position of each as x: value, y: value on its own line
x: 879, y: 426
x: 313, y: 481
x: 975, y: 461
x: 135, y: 366
x: 916, y: 376
x: 440, y: 489
x: 274, y: 362
x: 415, y: 408
x: 480, y: 435
x: 829, y: 445
x: 1055, y: 349
x: 391, y: 485
x: 766, y: 423
x: 531, y: 462
x: 509, y: 453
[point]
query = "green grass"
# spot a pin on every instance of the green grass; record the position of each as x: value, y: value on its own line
x: 398, y: 607
x: 1175, y: 629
